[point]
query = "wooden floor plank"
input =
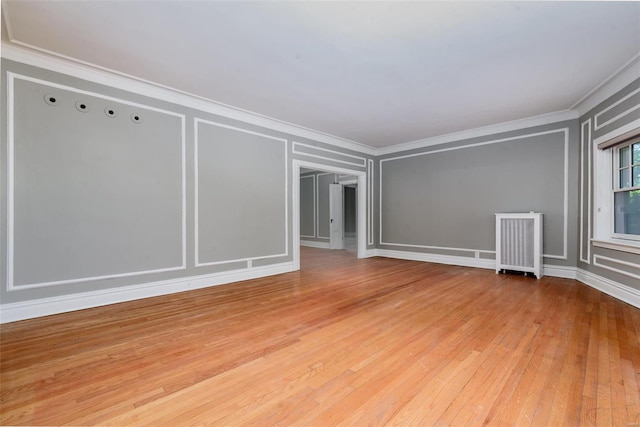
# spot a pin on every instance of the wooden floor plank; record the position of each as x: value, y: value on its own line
x: 342, y: 342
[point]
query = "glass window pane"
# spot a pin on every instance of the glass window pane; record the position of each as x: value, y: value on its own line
x: 636, y: 175
x: 625, y: 178
x: 627, y: 212
x: 636, y: 153
x: 624, y: 156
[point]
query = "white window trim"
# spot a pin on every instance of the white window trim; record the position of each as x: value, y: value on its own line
x: 603, y: 168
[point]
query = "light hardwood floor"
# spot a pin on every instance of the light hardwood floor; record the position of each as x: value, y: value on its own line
x: 343, y: 342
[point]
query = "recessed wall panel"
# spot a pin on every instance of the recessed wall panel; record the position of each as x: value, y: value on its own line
x: 448, y: 198
x: 96, y: 186
x: 307, y: 206
x: 241, y: 194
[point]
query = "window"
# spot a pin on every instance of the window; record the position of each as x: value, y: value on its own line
x: 626, y: 189
x: 616, y: 191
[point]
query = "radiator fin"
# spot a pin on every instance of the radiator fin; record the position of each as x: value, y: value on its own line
x: 517, y: 242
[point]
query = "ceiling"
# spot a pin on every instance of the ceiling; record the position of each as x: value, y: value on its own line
x: 377, y: 73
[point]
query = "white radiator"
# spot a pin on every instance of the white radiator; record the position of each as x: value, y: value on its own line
x: 519, y: 242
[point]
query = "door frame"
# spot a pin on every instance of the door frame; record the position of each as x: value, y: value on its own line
x: 361, y: 216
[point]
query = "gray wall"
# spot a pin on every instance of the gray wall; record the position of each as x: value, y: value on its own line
x: 590, y: 256
x: 442, y: 199
x: 315, y: 223
x: 98, y: 203
x: 350, y: 210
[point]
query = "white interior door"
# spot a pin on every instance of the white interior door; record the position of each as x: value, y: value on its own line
x: 336, y: 226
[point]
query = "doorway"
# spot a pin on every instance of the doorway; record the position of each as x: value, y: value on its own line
x: 355, y: 180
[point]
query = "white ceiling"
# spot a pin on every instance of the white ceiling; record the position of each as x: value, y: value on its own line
x: 378, y: 73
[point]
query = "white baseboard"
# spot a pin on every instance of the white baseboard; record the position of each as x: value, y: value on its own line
x: 370, y: 253
x: 315, y: 244
x: 610, y: 287
x: 439, y: 259
x: 549, y: 270
x: 12, y: 312
x: 559, y: 271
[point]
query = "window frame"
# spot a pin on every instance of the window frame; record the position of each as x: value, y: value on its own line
x: 603, y: 194
x: 615, y: 170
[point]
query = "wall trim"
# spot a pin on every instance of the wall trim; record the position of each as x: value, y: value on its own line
x: 597, y: 257
x: 361, y: 161
x: 34, y: 56
x: 613, y: 84
x: 599, y: 125
x: 585, y: 146
x: 493, y: 129
x: 565, y: 241
x: 11, y: 77
x: 610, y: 287
x: 249, y: 260
x: 314, y: 244
x: 313, y: 179
x: 549, y: 270
x: 12, y: 312
x: 439, y: 259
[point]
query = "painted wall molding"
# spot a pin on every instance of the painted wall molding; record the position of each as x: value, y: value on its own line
x: 585, y: 146
x: 597, y: 262
x: 10, y: 286
x: 370, y: 205
x: 347, y: 159
x: 13, y: 312
x: 599, y: 125
x: 565, y: 242
x: 196, y: 122
x: 313, y: 179
x: 494, y: 129
x: 609, y: 86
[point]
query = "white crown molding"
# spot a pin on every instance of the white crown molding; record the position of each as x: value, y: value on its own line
x: 30, y: 55
x: 626, y: 74
x: 543, y: 119
x: 13, y: 312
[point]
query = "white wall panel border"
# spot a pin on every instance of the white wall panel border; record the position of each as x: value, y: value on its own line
x: 596, y: 262
x: 357, y: 160
x: 564, y: 131
x: 599, y: 125
x: 248, y: 260
x: 11, y: 78
x: 315, y: 221
x: 585, y: 147
x: 370, y: 196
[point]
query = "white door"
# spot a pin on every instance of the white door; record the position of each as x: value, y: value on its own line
x: 335, y: 214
